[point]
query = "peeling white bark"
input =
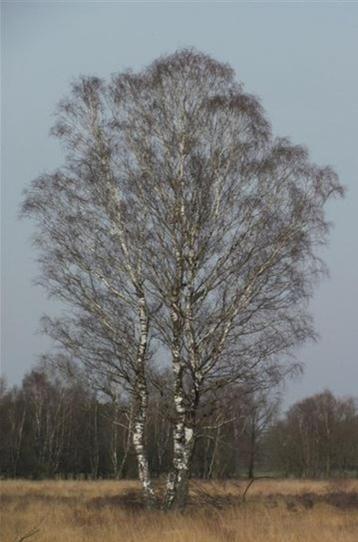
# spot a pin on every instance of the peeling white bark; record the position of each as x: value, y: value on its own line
x: 183, y: 443
x: 141, y: 405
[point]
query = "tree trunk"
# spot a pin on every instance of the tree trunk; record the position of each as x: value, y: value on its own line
x: 214, y: 454
x: 127, y: 444
x: 252, y: 446
x: 178, y: 480
x: 183, y: 440
x: 94, y: 457
x: 237, y: 450
x: 141, y: 408
x: 251, y: 465
x: 139, y: 447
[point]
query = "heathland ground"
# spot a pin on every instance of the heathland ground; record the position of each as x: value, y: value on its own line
x: 272, y: 511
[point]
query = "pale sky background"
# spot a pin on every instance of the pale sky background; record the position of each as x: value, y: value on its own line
x: 300, y: 58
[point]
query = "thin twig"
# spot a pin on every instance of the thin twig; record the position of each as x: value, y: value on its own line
x: 33, y: 531
x: 250, y: 484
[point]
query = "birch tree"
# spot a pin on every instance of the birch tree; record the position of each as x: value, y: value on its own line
x: 89, y: 245
x: 235, y: 219
x: 179, y: 216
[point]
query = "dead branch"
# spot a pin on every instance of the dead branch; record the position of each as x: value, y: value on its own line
x: 32, y: 532
x: 251, y: 481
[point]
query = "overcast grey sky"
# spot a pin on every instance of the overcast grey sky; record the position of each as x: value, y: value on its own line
x: 300, y: 58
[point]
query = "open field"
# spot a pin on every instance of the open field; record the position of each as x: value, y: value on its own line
x: 274, y: 511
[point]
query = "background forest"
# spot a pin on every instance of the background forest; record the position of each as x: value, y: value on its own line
x: 59, y: 427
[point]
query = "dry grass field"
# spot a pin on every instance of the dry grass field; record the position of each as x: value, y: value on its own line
x: 273, y: 511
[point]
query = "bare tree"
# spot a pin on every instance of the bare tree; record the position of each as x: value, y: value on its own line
x: 90, y: 245
x: 317, y: 436
x: 261, y: 411
x: 12, y: 420
x: 179, y: 216
x: 120, y: 419
x: 235, y: 218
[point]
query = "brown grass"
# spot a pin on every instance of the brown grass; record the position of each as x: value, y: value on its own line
x: 274, y: 511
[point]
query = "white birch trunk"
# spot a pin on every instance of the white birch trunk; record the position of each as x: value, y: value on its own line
x: 140, y: 408
x: 183, y: 434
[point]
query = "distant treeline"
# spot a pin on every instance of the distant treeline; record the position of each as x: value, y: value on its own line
x: 55, y: 427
